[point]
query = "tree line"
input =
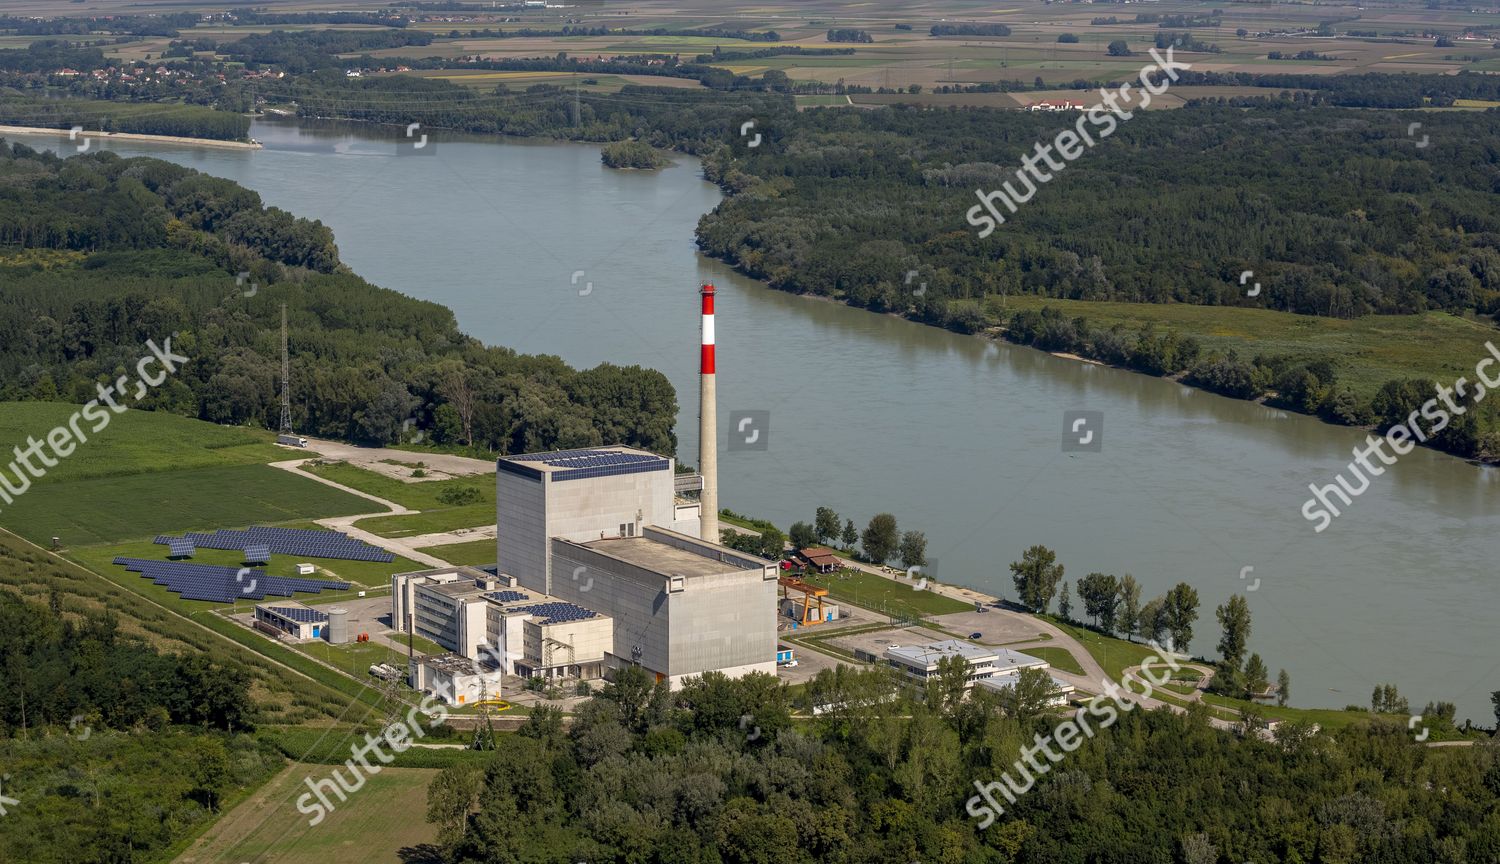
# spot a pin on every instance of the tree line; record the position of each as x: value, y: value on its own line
x: 719, y: 773
x: 138, y: 248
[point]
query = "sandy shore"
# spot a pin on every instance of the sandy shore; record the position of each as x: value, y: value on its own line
x: 128, y: 136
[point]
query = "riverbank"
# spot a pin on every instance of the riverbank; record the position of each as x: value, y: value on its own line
x: 129, y: 136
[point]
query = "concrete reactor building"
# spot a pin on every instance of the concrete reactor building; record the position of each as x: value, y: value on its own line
x: 601, y: 562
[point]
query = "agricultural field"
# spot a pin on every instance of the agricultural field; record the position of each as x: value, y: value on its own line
x: 152, y: 472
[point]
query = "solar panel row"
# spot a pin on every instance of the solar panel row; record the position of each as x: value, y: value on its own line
x: 558, y: 612
x: 302, y: 616
x: 222, y: 584
x: 298, y: 542
x: 506, y: 596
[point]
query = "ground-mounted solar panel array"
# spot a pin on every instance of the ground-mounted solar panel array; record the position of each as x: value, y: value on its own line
x: 222, y: 584
x: 297, y: 542
x: 557, y: 612
x: 182, y: 548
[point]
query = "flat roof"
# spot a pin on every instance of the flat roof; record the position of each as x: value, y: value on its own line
x: 451, y: 663
x: 662, y: 558
x: 935, y: 651
x: 583, y: 463
x: 1011, y: 679
x: 1007, y: 657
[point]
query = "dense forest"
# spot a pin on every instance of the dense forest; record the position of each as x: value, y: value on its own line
x: 99, y: 254
x: 113, y: 749
x: 719, y: 773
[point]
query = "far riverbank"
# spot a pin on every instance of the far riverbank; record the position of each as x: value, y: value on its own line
x: 130, y: 136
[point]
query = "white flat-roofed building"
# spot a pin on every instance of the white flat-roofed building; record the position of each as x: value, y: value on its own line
x: 489, y: 618
x: 457, y: 680
x: 1062, y: 691
x: 444, y: 605
x: 533, y: 635
x: 290, y: 618
x: 920, y: 662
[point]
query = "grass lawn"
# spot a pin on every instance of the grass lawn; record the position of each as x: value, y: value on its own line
x: 1115, y: 655
x: 1328, y: 718
x: 477, y: 507
x: 885, y: 595
x: 424, y: 495
x: 1060, y: 658
x: 475, y: 552
x: 135, y: 442
x: 430, y: 521
x: 423, y: 646
x: 111, y: 509
x: 377, y: 823
x: 356, y: 658
x: 362, y: 574
x: 150, y: 472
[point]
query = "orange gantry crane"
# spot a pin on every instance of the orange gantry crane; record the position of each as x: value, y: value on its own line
x: 810, y: 594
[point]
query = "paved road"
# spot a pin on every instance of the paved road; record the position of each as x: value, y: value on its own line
x: 438, y: 466
x: 1093, y: 677
x: 346, y: 523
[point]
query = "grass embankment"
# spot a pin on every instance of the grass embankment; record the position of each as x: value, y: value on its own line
x: 887, y: 596
x: 1060, y: 658
x: 283, y: 695
x: 427, y: 496
x: 1368, y: 351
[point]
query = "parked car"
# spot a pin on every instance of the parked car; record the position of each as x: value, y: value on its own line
x: 976, y: 635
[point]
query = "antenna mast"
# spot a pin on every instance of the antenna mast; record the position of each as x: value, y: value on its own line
x: 286, y: 379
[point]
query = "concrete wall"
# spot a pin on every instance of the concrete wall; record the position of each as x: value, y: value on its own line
x: 724, y: 622
x: 521, y: 529
x: 531, y: 512
x: 721, y: 622
x: 634, y: 597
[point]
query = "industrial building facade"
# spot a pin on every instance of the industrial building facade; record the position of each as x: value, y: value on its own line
x: 598, y: 566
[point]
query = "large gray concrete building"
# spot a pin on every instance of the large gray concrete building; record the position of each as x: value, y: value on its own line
x: 602, y: 529
x: 681, y: 606
x: 580, y: 495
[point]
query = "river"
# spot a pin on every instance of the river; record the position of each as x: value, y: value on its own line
x: 539, y: 247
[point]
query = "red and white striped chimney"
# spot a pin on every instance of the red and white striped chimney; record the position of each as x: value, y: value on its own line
x: 708, y: 426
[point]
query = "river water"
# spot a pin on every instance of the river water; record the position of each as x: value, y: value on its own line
x: 538, y: 247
